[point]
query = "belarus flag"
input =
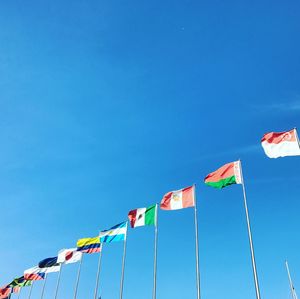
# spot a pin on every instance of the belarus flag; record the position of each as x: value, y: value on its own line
x: 180, y: 199
x: 281, y: 144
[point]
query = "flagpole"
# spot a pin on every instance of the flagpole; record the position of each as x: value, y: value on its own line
x: 58, y: 281
x: 30, y: 290
x: 197, y: 245
x: 98, y: 272
x: 44, y: 285
x: 123, y: 264
x: 155, y: 253
x: 294, y: 295
x: 19, y: 293
x: 250, y: 237
x: 78, y: 277
x: 297, y: 137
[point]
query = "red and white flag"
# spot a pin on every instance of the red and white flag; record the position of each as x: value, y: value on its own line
x: 69, y: 256
x: 281, y: 144
x: 180, y: 199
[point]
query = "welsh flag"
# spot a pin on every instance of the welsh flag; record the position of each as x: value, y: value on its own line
x: 142, y: 216
x: 179, y: 199
x: 281, y: 144
x: 226, y: 175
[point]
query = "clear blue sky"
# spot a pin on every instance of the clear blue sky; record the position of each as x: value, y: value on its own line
x: 107, y: 105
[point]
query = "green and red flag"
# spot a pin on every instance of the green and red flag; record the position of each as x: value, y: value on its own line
x: 226, y: 175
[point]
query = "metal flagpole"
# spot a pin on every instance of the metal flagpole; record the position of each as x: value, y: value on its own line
x: 58, y: 281
x: 30, y: 290
x: 98, y: 273
x: 197, y: 245
x: 123, y: 264
x: 294, y: 295
x: 155, y: 253
x: 19, y: 293
x: 78, y: 277
x: 44, y: 285
x: 250, y: 236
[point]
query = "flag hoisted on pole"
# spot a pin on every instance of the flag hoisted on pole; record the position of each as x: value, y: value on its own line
x: 293, y: 291
x: 281, y: 144
x: 180, y: 199
x: 143, y: 217
x: 231, y: 173
x: 98, y: 272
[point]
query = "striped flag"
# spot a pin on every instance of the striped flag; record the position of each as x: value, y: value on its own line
x: 179, y: 199
x: 89, y: 245
x: 114, y: 234
x: 281, y: 144
x: 142, y: 216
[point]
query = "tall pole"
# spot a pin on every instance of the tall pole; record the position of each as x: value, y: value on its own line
x: 98, y: 273
x: 123, y: 264
x: 155, y: 253
x: 197, y: 245
x: 250, y: 237
x: 295, y: 129
x: 78, y: 277
x: 294, y: 295
x: 30, y: 290
x: 58, y: 281
x: 44, y: 285
x: 19, y: 293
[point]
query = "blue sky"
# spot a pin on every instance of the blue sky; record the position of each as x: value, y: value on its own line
x: 107, y: 105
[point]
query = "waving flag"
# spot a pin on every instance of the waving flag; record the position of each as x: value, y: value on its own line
x: 5, y: 292
x: 49, y: 265
x: 69, y: 256
x: 89, y: 245
x: 281, y: 144
x: 114, y: 234
x: 34, y: 273
x: 142, y: 216
x: 20, y: 282
x: 180, y: 199
x: 226, y: 175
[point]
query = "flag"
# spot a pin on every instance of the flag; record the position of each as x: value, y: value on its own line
x: 69, y: 256
x: 34, y: 273
x: 226, y: 175
x: 281, y: 144
x: 49, y: 265
x: 89, y: 245
x: 5, y: 292
x: 20, y: 282
x: 114, y: 234
x: 179, y: 199
x: 142, y: 216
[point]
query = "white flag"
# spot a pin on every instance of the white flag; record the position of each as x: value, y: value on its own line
x: 69, y: 256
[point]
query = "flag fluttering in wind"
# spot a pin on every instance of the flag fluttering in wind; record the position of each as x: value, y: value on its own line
x: 114, y: 234
x: 49, y: 265
x: 281, y: 144
x: 142, y: 216
x: 226, y: 175
x: 5, y: 292
x: 20, y: 282
x: 89, y: 245
x: 69, y: 256
x: 34, y: 273
x: 180, y: 199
